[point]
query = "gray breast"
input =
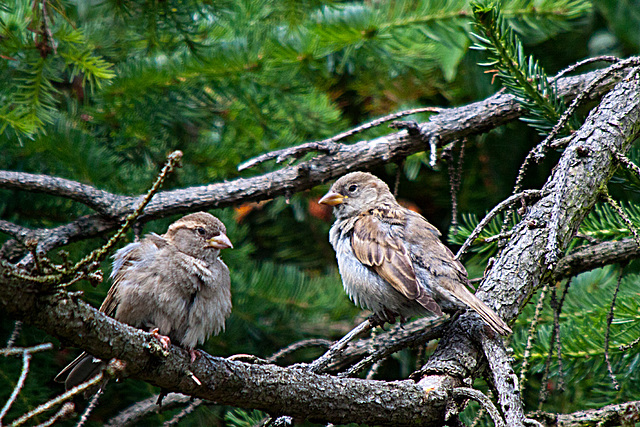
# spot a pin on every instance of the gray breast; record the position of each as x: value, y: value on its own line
x: 366, y: 288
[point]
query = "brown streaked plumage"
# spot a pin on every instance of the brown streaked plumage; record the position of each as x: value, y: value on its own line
x: 173, y: 285
x: 391, y: 259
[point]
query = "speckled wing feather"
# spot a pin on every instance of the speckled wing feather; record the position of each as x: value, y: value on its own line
x: 429, y: 252
x: 375, y: 244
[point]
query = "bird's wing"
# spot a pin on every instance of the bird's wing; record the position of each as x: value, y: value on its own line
x: 377, y: 243
x: 123, y: 260
x: 429, y: 252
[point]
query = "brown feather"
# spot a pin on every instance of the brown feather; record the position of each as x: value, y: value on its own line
x: 385, y: 254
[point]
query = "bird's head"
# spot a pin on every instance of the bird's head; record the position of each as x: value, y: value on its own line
x: 200, y: 235
x: 355, y: 193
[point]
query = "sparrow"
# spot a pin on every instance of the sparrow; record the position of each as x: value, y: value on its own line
x: 391, y: 259
x: 172, y: 284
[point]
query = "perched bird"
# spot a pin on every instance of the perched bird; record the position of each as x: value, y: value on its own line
x: 391, y: 259
x: 173, y: 285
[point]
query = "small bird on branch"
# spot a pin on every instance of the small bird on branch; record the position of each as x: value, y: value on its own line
x: 173, y: 285
x: 391, y: 259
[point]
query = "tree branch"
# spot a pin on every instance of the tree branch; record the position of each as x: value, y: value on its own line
x: 595, y: 256
x: 584, y: 168
x: 449, y: 125
x: 627, y: 413
x: 276, y: 390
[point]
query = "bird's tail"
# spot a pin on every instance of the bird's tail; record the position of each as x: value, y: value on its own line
x: 489, y: 316
x: 81, y: 369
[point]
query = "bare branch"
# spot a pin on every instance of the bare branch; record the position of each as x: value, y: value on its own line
x: 135, y: 413
x: 56, y: 401
x: 484, y: 402
x: 528, y: 194
x: 19, y: 350
x: 449, y: 125
x: 321, y: 363
x: 26, y: 360
x: 595, y: 256
x: 101, y: 201
x: 329, y: 145
x: 314, y: 342
x: 627, y: 413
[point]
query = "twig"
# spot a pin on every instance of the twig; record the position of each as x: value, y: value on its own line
x: 573, y: 67
x: 98, y: 255
x: 17, y: 327
x: 608, y: 331
x: 632, y: 344
x: 530, y: 333
x: 320, y: 363
x: 53, y: 402
x: 530, y: 194
x: 316, y: 342
x: 504, y: 380
x: 26, y: 359
x: 544, y: 392
x: 484, y: 402
x: 65, y: 411
x: 19, y: 350
x: 557, y: 308
x: 183, y: 413
x: 329, y: 145
x: 374, y: 369
x: 625, y: 218
x: 611, y: 415
x: 499, y: 236
x: 624, y: 161
x: 134, y: 414
x: 90, y: 407
x: 396, y: 184
x: 433, y: 331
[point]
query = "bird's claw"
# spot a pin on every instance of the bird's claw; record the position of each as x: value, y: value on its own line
x: 194, y: 355
x: 165, y: 341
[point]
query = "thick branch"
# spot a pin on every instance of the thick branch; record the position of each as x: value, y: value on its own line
x: 627, y: 413
x: 451, y: 124
x: 590, y: 257
x: 585, y: 167
x: 101, y: 201
x: 277, y: 390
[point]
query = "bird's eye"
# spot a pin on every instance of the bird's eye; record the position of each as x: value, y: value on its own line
x: 201, y: 231
x: 352, y: 188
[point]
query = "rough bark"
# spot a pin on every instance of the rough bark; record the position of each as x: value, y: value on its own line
x: 531, y: 254
x: 599, y: 255
x: 292, y: 391
x: 621, y: 414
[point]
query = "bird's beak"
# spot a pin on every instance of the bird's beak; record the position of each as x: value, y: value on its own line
x: 332, y: 199
x: 221, y: 241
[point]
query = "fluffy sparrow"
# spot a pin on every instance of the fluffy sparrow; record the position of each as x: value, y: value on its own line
x: 173, y: 285
x: 391, y: 259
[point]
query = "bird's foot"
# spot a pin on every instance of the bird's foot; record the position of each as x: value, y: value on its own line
x: 161, y: 396
x: 165, y: 341
x: 376, y: 320
x: 194, y: 354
